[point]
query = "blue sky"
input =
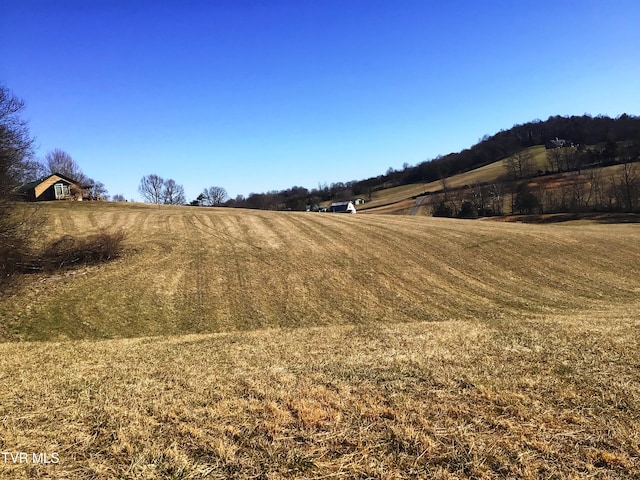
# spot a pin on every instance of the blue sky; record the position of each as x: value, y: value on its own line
x: 264, y: 95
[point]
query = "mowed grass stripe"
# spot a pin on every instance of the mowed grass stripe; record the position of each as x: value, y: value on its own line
x: 429, y: 269
x: 359, y: 254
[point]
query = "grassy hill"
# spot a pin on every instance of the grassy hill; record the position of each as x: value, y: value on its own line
x: 193, y: 270
x: 299, y: 345
x: 398, y: 200
x: 401, y: 200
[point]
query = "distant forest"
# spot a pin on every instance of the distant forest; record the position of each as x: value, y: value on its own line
x: 595, y: 141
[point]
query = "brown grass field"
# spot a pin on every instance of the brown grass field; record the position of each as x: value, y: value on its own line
x: 249, y: 344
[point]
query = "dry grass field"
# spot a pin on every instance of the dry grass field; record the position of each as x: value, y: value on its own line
x: 249, y: 344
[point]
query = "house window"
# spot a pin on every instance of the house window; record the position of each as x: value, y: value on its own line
x: 62, y: 190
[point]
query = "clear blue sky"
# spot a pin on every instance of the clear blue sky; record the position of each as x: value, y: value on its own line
x: 264, y: 95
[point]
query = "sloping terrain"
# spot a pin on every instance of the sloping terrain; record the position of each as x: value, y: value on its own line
x: 543, y: 396
x: 485, y: 174
x: 292, y: 345
x: 400, y: 200
x: 194, y: 270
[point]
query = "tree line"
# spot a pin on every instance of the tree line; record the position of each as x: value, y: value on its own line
x: 595, y: 189
x: 155, y: 189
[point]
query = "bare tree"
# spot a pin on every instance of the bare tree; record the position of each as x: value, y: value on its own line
x: 613, y: 193
x: 118, y: 197
x: 630, y: 185
x: 213, y: 196
x: 33, y: 170
x: 15, y: 157
x: 455, y: 200
x: 173, y: 194
x: 512, y: 188
x: 563, y: 159
x: 96, y: 190
x: 519, y: 165
x: 554, y: 160
x: 59, y: 161
x: 151, y: 188
x: 595, y: 196
x: 570, y: 158
x: 579, y: 189
x: 496, y: 197
x: 15, y: 143
x: 179, y: 197
x: 478, y: 195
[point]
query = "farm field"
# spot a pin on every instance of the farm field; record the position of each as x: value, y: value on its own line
x: 250, y: 344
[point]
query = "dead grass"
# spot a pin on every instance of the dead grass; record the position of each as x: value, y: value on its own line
x: 347, y: 347
x: 522, y: 397
x: 187, y: 270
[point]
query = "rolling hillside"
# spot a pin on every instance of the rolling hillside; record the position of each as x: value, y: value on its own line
x: 301, y: 345
x: 397, y: 200
x: 402, y: 200
x: 193, y: 270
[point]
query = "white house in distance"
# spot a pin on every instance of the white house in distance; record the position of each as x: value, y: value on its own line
x: 342, y: 207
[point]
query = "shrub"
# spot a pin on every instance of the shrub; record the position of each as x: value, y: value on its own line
x: 70, y: 252
x: 16, y: 226
x: 468, y: 210
x: 526, y: 201
x: 443, y: 210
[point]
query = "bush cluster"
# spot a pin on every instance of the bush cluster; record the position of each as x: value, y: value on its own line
x: 17, y: 256
x: 70, y: 252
